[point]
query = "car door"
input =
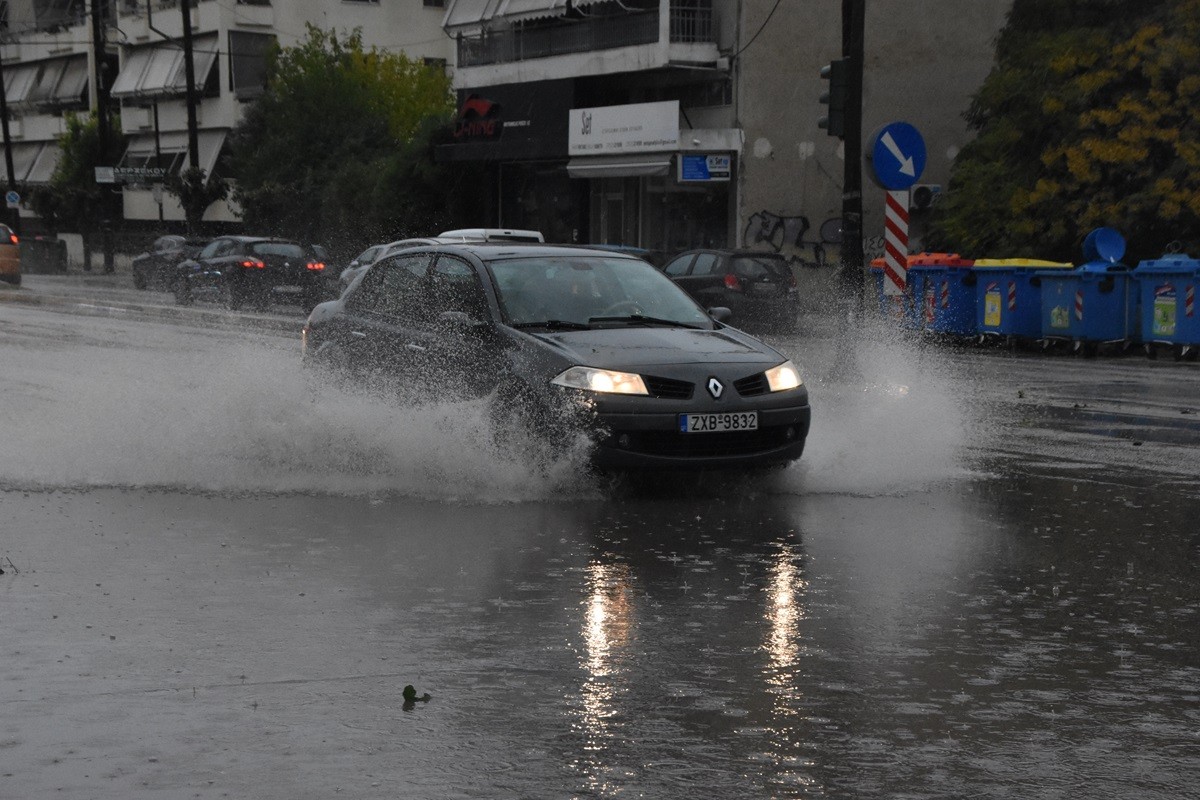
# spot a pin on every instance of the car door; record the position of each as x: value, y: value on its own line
x: 460, y: 355
x: 705, y: 280
x: 379, y: 331
x: 203, y: 272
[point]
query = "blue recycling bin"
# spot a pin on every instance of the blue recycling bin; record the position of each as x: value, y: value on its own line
x: 1094, y: 304
x: 1008, y: 296
x: 1168, y: 288
x: 942, y: 288
x: 896, y: 307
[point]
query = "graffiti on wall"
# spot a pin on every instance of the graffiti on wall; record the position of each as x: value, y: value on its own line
x: 785, y: 234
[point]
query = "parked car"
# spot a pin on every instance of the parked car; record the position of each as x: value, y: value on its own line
x: 758, y: 287
x: 558, y: 336
x: 156, y: 268
x: 253, y: 270
x: 446, y: 237
x: 374, y: 253
x: 10, y: 256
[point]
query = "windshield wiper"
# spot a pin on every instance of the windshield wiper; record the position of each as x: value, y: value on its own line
x: 553, y: 325
x: 645, y: 320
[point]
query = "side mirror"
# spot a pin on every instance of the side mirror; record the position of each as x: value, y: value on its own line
x: 460, y: 320
x: 720, y: 313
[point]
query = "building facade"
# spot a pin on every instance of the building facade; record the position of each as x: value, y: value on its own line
x: 49, y: 60
x: 669, y: 124
x: 663, y: 124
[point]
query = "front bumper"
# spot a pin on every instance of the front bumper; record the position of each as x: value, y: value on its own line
x: 652, y: 440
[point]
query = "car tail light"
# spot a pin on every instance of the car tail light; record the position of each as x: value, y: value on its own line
x: 316, y: 266
x: 13, y: 237
x: 253, y: 263
x: 732, y: 283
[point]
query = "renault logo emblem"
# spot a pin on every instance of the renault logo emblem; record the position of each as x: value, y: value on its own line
x: 715, y: 388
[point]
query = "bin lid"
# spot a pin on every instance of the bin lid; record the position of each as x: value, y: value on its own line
x: 939, y: 260
x: 1103, y: 266
x: 1171, y: 262
x: 1020, y: 263
x: 1103, y: 244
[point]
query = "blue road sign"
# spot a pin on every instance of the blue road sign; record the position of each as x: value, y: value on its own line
x: 897, y: 156
x: 12, y: 199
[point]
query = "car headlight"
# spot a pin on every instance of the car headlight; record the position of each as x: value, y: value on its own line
x: 785, y: 376
x: 608, y: 381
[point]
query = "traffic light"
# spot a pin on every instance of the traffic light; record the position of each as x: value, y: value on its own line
x: 835, y: 72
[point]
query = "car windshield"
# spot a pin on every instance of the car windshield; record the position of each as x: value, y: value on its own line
x: 586, y: 290
x: 758, y: 268
x: 285, y: 249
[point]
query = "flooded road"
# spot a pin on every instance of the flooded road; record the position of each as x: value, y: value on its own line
x: 983, y: 580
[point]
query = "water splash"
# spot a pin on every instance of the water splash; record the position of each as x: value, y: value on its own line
x: 248, y: 419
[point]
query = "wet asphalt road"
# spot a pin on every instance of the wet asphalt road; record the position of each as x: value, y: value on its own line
x: 983, y: 580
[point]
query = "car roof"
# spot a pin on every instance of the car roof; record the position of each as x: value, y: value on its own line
x: 492, y: 235
x: 497, y: 251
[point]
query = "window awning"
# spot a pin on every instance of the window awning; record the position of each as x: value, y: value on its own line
x: 209, y: 143
x: 159, y: 71
x: 630, y: 166
x: 74, y: 81
x: 472, y: 15
x: 24, y: 154
x: 469, y: 13
x: 45, y: 164
x: 517, y: 10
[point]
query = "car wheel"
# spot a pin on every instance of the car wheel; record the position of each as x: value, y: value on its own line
x: 183, y: 292
x: 526, y: 427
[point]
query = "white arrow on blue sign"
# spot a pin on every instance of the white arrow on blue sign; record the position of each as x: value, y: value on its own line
x: 896, y: 156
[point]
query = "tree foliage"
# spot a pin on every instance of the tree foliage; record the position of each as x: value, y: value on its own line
x: 196, y: 192
x: 1087, y: 119
x: 73, y: 199
x: 327, y: 151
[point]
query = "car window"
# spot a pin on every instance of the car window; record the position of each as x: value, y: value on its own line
x: 455, y: 286
x: 679, y: 266
x: 758, y: 268
x: 395, y: 287
x: 578, y: 288
x: 166, y: 243
x: 706, y: 264
x: 214, y: 248
x: 285, y: 249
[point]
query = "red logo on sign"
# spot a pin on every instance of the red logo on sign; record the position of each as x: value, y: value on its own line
x: 478, y: 119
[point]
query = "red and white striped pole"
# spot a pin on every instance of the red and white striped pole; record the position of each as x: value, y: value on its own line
x: 895, y: 244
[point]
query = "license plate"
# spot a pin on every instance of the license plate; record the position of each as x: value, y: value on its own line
x: 718, y: 423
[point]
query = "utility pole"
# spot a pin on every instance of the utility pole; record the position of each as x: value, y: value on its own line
x: 189, y: 72
x: 15, y: 222
x: 102, y: 124
x: 852, y: 273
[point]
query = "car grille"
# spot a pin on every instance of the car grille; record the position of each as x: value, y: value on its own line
x: 668, y: 388
x: 701, y: 445
x: 752, y: 386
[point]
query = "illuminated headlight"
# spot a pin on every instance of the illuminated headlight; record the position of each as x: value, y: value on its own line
x: 783, y: 377
x: 608, y: 381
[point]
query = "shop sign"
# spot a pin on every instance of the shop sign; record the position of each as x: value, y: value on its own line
x: 612, y: 130
x: 696, y: 168
x: 478, y: 120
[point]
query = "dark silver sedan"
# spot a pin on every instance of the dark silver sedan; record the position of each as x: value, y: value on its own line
x: 558, y: 337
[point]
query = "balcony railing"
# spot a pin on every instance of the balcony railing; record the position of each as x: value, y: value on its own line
x: 691, y: 21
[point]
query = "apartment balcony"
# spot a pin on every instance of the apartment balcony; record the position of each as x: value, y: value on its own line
x: 590, y: 38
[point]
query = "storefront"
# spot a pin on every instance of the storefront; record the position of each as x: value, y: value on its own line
x: 622, y: 175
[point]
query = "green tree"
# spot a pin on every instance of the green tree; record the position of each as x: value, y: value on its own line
x: 196, y: 193
x: 316, y: 154
x: 1087, y: 119
x: 73, y: 199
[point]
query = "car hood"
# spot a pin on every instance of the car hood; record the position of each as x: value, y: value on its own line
x: 638, y: 347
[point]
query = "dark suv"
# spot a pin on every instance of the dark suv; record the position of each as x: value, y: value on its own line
x: 253, y: 270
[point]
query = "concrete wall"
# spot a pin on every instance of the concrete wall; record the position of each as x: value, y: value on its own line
x: 924, y: 60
